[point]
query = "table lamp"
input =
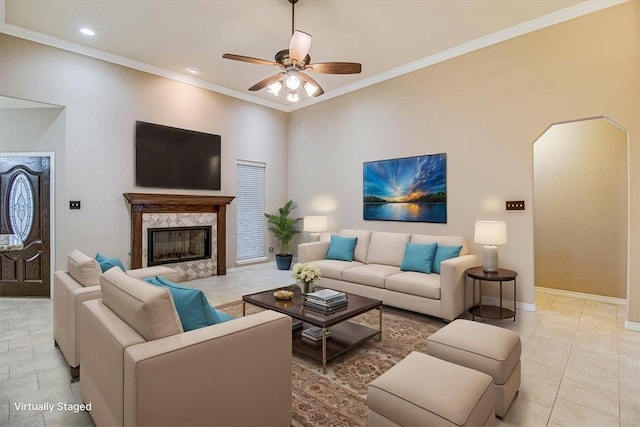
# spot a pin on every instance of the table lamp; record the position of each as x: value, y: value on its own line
x: 490, y: 234
x: 314, y: 224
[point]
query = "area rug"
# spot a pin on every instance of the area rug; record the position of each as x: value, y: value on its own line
x: 339, y: 397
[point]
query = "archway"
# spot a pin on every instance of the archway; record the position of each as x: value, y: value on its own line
x: 581, y: 208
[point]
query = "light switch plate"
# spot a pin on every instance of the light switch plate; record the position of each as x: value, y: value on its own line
x: 515, y: 205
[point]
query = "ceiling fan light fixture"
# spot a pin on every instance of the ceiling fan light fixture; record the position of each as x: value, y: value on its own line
x: 275, y: 88
x: 310, y: 88
x: 293, y: 81
x: 292, y: 63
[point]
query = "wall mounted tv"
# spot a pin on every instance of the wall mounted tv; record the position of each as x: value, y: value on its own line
x: 168, y: 157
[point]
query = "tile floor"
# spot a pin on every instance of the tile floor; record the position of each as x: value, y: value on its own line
x: 580, y: 366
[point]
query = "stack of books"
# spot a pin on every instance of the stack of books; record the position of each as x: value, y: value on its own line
x: 296, y: 324
x: 326, y: 300
x: 314, y: 333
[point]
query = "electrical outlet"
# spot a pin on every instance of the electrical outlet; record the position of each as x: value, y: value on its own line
x: 271, y: 249
x: 74, y: 204
x: 515, y: 205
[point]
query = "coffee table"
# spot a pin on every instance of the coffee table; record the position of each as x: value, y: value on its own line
x: 344, y: 336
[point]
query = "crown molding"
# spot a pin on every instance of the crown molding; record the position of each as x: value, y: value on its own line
x: 572, y: 12
x: 44, y: 39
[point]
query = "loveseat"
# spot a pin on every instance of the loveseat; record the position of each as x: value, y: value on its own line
x: 379, y: 269
x: 138, y: 367
x: 78, y: 283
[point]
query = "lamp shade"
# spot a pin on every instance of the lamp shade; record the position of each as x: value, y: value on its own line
x: 314, y: 223
x: 490, y: 233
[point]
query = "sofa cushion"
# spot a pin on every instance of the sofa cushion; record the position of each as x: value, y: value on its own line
x: 362, y: 247
x: 370, y: 274
x: 387, y: 248
x: 148, y: 309
x: 418, y: 257
x: 192, y: 305
x: 332, y: 269
x: 413, y: 283
x: 84, y: 269
x: 444, y: 253
x: 425, y: 239
x: 341, y: 248
x: 107, y: 263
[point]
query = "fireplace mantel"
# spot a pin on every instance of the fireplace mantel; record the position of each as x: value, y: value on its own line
x: 168, y: 203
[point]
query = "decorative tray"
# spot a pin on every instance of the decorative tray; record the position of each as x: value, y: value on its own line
x: 283, y: 294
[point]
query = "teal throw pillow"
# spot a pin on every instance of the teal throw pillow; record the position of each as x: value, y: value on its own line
x: 341, y: 248
x: 418, y: 257
x: 107, y: 263
x: 191, y: 304
x: 444, y: 253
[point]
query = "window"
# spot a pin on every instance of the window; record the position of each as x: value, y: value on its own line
x: 250, y: 238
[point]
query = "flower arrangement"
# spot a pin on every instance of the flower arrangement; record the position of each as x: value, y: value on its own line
x: 306, y: 273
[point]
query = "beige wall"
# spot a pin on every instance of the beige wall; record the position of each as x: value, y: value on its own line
x: 580, y: 209
x: 95, y: 159
x: 484, y: 109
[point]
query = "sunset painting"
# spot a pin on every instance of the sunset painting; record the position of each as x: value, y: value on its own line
x: 406, y: 189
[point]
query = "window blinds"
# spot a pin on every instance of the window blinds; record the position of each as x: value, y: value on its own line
x: 250, y: 239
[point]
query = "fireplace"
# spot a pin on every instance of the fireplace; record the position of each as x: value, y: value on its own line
x: 180, y: 210
x: 178, y: 244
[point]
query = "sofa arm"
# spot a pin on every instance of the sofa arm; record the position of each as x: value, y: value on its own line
x: 452, y: 285
x: 237, y: 373
x: 312, y: 251
x: 68, y: 296
x: 157, y: 270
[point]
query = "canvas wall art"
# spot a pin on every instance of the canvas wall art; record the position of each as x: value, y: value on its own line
x: 406, y: 189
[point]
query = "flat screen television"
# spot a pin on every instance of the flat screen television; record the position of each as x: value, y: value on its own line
x: 168, y: 157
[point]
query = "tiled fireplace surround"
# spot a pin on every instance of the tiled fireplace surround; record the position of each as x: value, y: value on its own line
x: 172, y: 210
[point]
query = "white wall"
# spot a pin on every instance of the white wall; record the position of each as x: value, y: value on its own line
x: 484, y: 109
x: 95, y: 161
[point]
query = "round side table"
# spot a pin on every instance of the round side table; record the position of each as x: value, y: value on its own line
x: 486, y: 310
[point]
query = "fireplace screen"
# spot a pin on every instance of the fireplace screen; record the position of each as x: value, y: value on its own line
x: 178, y: 244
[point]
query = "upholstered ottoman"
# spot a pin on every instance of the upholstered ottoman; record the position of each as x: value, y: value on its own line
x: 486, y: 348
x: 422, y: 390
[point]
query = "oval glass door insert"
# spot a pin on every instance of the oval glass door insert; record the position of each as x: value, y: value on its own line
x: 21, y: 206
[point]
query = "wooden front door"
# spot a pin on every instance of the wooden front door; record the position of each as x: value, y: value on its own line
x: 25, y: 212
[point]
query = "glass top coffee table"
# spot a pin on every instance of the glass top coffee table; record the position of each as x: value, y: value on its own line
x: 344, y: 335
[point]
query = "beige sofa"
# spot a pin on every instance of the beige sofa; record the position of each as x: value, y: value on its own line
x: 375, y: 272
x: 139, y: 368
x: 78, y: 283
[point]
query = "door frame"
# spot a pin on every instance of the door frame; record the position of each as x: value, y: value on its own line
x: 52, y: 204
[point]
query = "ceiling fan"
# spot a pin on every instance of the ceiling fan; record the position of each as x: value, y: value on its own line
x: 293, y: 63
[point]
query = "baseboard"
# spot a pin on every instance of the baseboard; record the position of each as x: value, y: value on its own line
x: 509, y: 304
x: 580, y: 295
x: 632, y: 326
x: 246, y: 265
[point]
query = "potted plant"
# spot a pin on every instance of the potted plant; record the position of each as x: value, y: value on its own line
x: 284, y: 227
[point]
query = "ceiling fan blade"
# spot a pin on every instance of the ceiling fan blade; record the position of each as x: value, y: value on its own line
x: 335, y: 68
x: 299, y: 46
x: 307, y: 78
x: 248, y: 59
x: 266, y: 82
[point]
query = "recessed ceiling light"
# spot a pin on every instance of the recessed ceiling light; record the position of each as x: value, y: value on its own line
x: 193, y: 70
x: 87, y: 31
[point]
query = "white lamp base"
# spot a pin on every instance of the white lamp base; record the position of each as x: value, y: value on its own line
x: 490, y: 259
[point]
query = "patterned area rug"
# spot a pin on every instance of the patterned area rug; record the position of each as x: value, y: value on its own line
x: 339, y: 397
